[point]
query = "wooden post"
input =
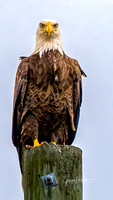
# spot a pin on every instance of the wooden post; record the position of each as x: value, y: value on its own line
x: 65, y: 161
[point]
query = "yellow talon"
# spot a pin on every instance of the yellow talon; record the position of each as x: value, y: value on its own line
x: 36, y: 143
x: 53, y: 142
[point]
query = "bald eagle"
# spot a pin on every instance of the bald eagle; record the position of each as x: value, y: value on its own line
x: 47, y: 92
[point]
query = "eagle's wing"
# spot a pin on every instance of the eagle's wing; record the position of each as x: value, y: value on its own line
x: 77, y: 100
x: 20, y: 88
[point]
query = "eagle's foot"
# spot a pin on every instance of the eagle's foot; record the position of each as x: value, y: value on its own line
x: 36, y: 144
x: 53, y: 143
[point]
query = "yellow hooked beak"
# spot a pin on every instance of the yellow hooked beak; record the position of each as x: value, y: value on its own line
x: 49, y: 28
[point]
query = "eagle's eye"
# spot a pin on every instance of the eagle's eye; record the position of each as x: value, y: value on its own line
x: 42, y: 25
x: 55, y: 25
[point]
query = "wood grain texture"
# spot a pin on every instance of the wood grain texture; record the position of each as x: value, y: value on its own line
x: 65, y: 161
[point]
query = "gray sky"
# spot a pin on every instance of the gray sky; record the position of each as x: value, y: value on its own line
x: 87, y: 35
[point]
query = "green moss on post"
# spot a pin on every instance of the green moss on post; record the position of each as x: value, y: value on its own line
x: 65, y: 161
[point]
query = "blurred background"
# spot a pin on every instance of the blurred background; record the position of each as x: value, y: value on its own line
x: 87, y: 35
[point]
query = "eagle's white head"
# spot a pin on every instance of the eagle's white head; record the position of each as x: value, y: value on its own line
x: 48, y: 37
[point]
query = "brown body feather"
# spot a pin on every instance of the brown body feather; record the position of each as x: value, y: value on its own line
x: 47, y: 99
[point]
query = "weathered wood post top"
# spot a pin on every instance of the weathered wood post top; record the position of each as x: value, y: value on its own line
x: 66, y: 163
